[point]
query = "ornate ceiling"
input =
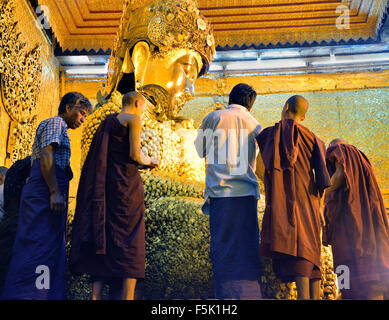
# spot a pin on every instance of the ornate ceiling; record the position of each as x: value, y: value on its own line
x: 92, y: 24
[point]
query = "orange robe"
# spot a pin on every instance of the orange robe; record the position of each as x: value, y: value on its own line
x: 108, y: 237
x: 356, y: 222
x: 295, y: 178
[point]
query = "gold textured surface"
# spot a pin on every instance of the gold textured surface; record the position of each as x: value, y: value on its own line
x: 266, y: 22
x: 48, y: 96
x: 216, y: 84
x: 31, y: 89
x: 361, y: 117
x: 20, y: 74
x: 92, y: 24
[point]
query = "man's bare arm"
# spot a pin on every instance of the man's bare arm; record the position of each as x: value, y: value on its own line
x: 57, y: 201
x: 337, y: 180
x: 136, y: 154
x: 260, y: 168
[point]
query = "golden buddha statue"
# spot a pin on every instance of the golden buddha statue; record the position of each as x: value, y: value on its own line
x: 162, y: 46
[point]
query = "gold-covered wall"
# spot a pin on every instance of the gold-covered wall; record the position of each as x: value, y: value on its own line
x: 360, y: 117
x: 46, y: 85
x: 49, y: 95
x: 353, y: 106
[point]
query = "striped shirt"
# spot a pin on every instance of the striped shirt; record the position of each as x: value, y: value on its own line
x: 53, y: 131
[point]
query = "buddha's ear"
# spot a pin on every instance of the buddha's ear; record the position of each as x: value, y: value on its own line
x: 140, y: 58
x: 127, y: 66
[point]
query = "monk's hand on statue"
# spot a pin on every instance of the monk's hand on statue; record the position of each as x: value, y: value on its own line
x: 57, y: 202
x: 154, y: 163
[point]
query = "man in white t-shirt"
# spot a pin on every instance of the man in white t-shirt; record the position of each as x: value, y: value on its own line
x: 227, y: 140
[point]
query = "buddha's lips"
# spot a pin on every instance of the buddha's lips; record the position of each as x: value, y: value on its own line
x: 165, y: 104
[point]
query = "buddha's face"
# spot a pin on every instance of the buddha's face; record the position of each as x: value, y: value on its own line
x: 175, y: 73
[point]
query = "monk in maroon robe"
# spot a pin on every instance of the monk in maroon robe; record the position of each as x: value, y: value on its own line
x: 357, y: 226
x: 108, y: 238
x: 295, y: 176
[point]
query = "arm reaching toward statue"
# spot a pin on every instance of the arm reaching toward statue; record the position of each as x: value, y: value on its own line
x: 145, y: 159
x: 136, y: 154
x: 260, y: 168
x: 337, y: 180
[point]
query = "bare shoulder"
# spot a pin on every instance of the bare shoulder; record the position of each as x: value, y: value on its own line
x: 129, y: 120
x: 133, y: 118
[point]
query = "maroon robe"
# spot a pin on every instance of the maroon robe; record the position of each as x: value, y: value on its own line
x: 356, y: 222
x: 295, y: 178
x: 108, y: 237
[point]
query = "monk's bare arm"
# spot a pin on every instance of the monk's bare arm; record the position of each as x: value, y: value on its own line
x: 337, y: 180
x: 260, y: 168
x: 57, y: 202
x: 136, y: 154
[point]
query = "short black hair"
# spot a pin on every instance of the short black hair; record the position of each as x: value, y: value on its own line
x: 243, y: 95
x: 73, y: 98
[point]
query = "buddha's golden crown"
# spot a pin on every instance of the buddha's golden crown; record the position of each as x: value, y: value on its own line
x: 165, y: 25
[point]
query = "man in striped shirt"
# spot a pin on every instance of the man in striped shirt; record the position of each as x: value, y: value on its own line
x: 37, y: 269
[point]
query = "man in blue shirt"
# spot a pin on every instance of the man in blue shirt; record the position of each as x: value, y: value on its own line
x: 227, y: 140
x: 37, y: 269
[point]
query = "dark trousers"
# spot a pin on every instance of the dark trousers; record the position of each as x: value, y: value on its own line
x: 234, y: 247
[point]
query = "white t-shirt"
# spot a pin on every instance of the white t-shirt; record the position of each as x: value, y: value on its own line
x: 227, y: 140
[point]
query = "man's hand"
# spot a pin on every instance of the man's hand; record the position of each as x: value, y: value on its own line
x: 57, y: 202
x: 260, y: 168
x: 154, y: 163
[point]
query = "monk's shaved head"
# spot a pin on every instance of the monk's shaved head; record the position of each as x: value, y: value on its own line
x: 134, y: 103
x: 130, y: 97
x: 336, y: 141
x: 295, y: 107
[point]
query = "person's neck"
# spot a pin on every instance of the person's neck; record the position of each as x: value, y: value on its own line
x: 293, y: 117
x: 128, y: 109
x: 63, y: 116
